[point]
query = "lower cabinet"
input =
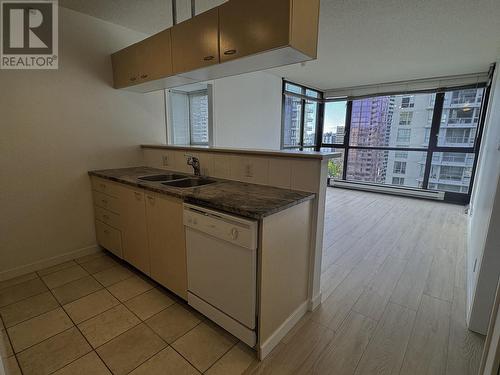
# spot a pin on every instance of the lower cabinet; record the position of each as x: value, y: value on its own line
x: 143, y: 228
x: 109, y: 238
x: 135, y: 233
x: 167, y: 244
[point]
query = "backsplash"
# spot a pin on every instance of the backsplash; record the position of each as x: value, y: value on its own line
x: 285, y: 172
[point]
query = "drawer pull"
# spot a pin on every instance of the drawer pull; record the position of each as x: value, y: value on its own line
x: 151, y: 199
x: 144, y: 76
x: 230, y: 52
x: 137, y: 195
x: 208, y: 58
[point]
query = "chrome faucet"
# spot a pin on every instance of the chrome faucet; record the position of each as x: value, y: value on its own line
x: 194, y: 162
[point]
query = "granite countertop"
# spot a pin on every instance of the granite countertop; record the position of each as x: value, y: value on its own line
x: 240, y: 198
x: 276, y: 153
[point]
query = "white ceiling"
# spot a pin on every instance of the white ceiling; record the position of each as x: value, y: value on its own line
x: 360, y: 41
x: 147, y: 16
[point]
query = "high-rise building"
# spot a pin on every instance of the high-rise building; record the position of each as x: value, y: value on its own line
x: 370, y: 126
x: 404, y: 121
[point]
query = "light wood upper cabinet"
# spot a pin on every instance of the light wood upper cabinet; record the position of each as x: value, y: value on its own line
x: 135, y: 234
x: 155, y: 56
x: 248, y: 27
x: 167, y: 244
x: 147, y: 60
x: 263, y: 34
x: 195, y: 42
x: 124, y: 67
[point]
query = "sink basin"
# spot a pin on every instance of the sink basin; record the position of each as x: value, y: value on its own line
x: 189, y: 182
x: 162, y: 177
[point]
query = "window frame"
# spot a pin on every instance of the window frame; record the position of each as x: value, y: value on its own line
x: 319, y: 115
x: 432, y: 146
x: 169, y: 115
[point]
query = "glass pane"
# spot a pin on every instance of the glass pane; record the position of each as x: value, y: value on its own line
x: 292, y: 118
x: 387, y: 167
x: 392, y: 121
x: 310, y: 123
x: 179, y: 107
x: 335, y: 166
x: 293, y: 88
x: 334, y: 122
x: 312, y: 93
x: 460, y: 118
x: 198, y: 113
x: 451, y: 171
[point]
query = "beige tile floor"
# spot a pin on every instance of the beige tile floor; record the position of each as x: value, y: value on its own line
x: 96, y: 315
x: 393, y: 284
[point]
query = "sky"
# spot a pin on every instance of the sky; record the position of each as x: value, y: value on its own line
x: 334, y: 115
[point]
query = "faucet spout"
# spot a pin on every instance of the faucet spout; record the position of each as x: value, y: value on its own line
x: 195, y: 163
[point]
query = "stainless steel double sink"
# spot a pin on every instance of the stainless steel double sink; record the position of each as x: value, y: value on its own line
x: 177, y: 180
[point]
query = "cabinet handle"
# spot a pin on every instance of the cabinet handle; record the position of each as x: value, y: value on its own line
x: 151, y: 199
x: 103, y: 186
x: 230, y: 52
x: 133, y: 78
x: 208, y: 58
x: 144, y: 76
x: 104, y: 201
x: 106, y: 231
x: 137, y: 195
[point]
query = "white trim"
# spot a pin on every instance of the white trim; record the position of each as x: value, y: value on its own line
x: 41, y: 264
x: 314, y: 302
x: 417, y: 193
x: 266, y: 347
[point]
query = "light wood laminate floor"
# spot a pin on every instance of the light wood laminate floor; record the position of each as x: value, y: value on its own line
x: 393, y: 284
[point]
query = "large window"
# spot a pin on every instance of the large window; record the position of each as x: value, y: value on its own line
x: 301, y: 108
x: 189, y: 117
x: 426, y: 140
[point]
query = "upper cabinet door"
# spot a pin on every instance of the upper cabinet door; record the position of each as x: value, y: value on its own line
x: 124, y: 67
x: 195, y: 42
x: 155, y: 56
x: 248, y: 27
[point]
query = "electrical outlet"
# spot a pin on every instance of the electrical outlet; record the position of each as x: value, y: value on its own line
x: 165, y: 160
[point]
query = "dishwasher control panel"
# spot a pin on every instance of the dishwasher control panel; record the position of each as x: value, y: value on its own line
x: 239, y: 231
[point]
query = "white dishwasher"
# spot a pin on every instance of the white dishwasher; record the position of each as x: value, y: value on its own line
x: 222, y: 269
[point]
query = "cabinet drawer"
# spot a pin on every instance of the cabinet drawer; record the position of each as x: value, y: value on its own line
x: 104, y: 186
x: 108, y: 217
x: 109, y: 238
x: 106, y: 201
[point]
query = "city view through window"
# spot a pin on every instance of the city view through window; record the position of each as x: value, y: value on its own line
x: 388, y: 138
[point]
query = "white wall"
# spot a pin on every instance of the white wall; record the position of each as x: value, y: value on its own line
x: 247, y: 111
x: 484, y: 221
x: 57, y: 125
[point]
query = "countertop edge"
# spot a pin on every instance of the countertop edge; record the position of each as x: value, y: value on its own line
x: 203, y: 203
x: 275, y: 153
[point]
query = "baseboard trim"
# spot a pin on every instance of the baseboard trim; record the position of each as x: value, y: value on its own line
x: 315, y: 302
x: 41, y: 264
x: 283, y: 329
